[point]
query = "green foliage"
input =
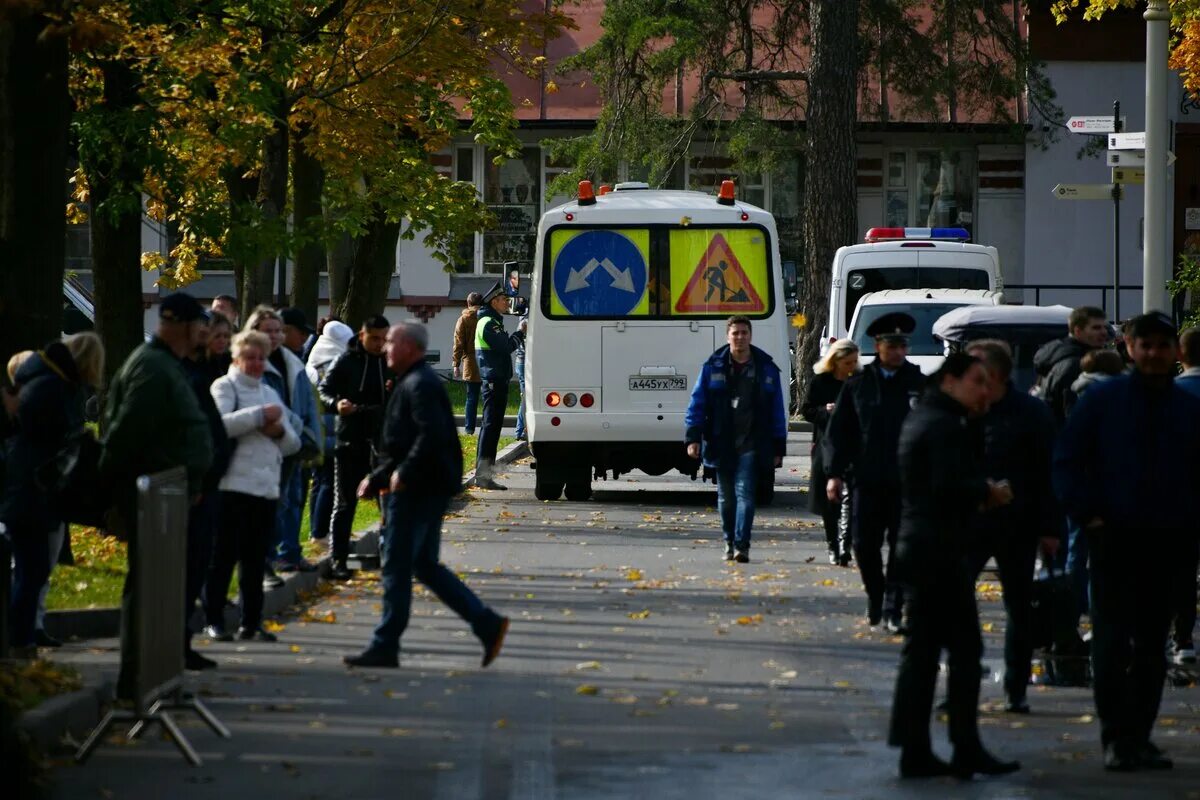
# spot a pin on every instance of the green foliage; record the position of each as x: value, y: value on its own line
x: 1187, y: 280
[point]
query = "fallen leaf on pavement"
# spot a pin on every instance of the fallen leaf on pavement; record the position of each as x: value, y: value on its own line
x: 587, y: 689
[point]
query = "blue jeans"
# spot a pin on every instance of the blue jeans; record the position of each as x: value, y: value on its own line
x: 520, y: 371
x: 412, y: 538
x: 735, y: 499
x: 320, y: 507
x: 1077, y: 565
x: 472, y: 406
x: 31, y: 570
x: 288, y: 513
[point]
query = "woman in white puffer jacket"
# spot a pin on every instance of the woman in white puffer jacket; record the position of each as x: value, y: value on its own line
x: 254, y: 418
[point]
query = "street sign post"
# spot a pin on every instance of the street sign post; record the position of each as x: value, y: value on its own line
x: 1126, y: 158
x: 1083, y: 191
x: 1093, y: 125
x: 1134, y: 140
x: 1129, y: 175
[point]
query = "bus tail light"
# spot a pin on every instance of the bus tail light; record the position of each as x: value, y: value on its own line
x: 569, y: 400
x: 555, y: 421
x: 586, y: 400
x: 553, y: 399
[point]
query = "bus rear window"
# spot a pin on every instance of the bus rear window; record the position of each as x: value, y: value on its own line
x: 862, y: 281
x: 659, y: 272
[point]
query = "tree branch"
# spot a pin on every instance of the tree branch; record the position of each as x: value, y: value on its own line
x: 753, y: 75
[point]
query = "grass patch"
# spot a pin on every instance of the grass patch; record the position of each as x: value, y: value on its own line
x: 458, y: 398
x: 24, y: 685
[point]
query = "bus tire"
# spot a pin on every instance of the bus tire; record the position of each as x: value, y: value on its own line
x: 545, y: 487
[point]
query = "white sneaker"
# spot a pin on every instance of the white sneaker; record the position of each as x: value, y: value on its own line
x: 1185, y: 655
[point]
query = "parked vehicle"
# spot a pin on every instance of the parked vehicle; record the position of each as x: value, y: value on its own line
x: 1025, y: 328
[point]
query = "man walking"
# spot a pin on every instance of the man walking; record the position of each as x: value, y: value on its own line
x: 1018, y: 432
x: 1122, y: 467
x: 152, y: 422
x: 493, y: 352
x: 862, y: 438
x: 1184, y: 621
x: 463, y: 356
x: 736, y: 422
x: 421, y: 467
x: 1057, y: 362
x: 356, y: 387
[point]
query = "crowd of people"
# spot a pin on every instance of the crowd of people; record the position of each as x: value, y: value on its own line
x: 1085, y: 474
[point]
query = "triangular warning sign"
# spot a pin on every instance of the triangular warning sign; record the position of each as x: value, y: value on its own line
x: 719, y: 284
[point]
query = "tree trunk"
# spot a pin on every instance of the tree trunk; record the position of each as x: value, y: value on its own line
x: 117, y: 230
x: 307, y: 182
x: 258, y: 282
x: 337, y: 264
x: 371, y: 269
x: 830, y: 193
x: 34, y: 118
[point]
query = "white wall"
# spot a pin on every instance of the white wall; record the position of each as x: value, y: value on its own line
x: 1071, y: 241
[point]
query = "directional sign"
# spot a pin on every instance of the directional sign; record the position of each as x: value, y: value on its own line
x: 1083, y: 191
x: 1135, y: 140
x: 600, y: 273
x: 1126, y: 158
x: 1091, y: 124
x: 1129, y: 175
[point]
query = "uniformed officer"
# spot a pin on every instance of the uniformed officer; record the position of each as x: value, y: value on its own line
x: 863, y: 432
x: 493, y: 352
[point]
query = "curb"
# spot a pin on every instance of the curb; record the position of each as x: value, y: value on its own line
x: 83, y: 623
x: 72, y: 714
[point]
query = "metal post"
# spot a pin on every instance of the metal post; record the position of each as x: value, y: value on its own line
x: 1155, y: 260
x: 1116, y: 196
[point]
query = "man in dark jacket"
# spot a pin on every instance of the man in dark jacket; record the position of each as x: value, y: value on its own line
x: 1057, y: 362
x: 1123, y: 467
x: 862, y: 437
x: 736, y: 422
x: 1018, y: 439
x: 944, y: 486
x: 356, y: 387
x: 493, y: 352
x: 421, y: 467
x: 152, y: 422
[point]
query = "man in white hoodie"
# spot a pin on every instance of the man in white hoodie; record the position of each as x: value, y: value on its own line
x: 333, y: 340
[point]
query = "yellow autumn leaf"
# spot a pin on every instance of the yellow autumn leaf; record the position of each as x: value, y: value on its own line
x: 643, y: 614
x: 587, y: 689
x: 634, y: 575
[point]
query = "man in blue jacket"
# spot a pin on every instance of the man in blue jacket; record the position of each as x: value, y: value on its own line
x: 736, y: 423
x: 1183, y: 650
x: 1123, y: 466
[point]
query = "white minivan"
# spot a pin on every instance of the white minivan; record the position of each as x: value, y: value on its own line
x: 923, y: 305
x: 906, y: 258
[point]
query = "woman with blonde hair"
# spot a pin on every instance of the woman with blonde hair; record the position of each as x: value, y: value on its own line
x: 254, y: 415
x: 839, y: 363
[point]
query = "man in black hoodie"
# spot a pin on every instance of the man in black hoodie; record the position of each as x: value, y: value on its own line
x: 1057, y: 362
x: 356, y: 387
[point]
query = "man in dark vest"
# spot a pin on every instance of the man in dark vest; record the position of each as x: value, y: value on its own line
x: 862, y: 439
x: 493, y: 352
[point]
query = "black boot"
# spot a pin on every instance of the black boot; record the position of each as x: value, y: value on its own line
x: 921, y: 764
x: 975, y: 760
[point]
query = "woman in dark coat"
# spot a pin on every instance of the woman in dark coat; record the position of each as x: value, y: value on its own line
x: 944, y: 489
x: 832, y: 371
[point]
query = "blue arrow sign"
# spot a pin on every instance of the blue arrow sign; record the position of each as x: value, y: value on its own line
x: 600, y: 274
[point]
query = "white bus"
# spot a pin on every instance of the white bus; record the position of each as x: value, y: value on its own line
x: 629, y: 297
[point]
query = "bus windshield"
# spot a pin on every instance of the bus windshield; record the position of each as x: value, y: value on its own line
x: 861, y: 281
x: 657, y: 272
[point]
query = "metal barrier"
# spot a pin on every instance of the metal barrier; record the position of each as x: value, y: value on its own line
x: 158, y: 598
x: 1037, y: 288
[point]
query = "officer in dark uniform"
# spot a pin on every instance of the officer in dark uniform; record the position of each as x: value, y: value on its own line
x: 493, y: 351
x: 944, y: 488
x: 863, y: 432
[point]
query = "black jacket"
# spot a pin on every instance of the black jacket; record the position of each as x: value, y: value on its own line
x: 823, y: 389
x: 864, y: 428
x: 1057, y: 366
x: 201, y: 375
x: 420, y: 440
x: 362, y: 379
x: 1018, y: 444
x: 942, y: 484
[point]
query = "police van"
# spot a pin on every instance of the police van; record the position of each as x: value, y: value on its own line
x: 630, y: 292
x: 906, y: 258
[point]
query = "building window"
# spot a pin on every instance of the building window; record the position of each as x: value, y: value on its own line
x: 513, y: 193
x: 787, y: 199
x: 705, y: 174
x: 930, y: 188
x: 464, y: 170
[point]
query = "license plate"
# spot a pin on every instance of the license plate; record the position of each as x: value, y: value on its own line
x: 669, y: 383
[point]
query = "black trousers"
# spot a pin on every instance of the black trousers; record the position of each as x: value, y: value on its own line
x: 1132, y: 590
x: 350, y: 466
x: 1015, y: 554
x: 495, y: 400
x: 202, y: 527
x: 941, y: 616
x: 246, y: 530
x: 1184, y: 603
x: 875, y: 519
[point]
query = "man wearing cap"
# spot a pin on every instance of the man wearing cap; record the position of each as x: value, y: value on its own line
x: 1124, y: 466
x: 861, y: 443
x: 296, y: 330
x: 152, y: 422
x: 493, y: 352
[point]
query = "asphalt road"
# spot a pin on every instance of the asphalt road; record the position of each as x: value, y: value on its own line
x: 639, y: 665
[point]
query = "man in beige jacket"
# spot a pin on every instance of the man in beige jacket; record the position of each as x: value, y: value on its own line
x: 463, y: 354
